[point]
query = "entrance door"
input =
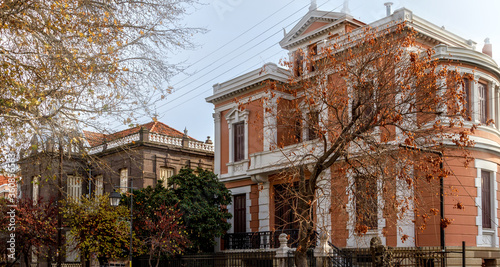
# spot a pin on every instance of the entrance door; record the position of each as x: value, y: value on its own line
x: 240, y: 213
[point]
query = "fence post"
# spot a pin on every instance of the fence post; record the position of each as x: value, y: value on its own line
x: 282, y: 251
x: 463, y: 253
x: 322, y: 251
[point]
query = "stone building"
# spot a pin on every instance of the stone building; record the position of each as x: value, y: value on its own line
x: 247, y: 139
x: 136, y: 157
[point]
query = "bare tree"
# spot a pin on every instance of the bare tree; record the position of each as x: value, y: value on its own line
x: 83, y: 63
x: 370, y: 114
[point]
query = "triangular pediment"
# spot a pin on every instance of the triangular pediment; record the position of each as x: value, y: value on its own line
x: 314, y: 23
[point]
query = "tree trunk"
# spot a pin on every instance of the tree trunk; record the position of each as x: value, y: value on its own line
x: 306, y: 225
x: 26, y: 259
x: 102, y: 261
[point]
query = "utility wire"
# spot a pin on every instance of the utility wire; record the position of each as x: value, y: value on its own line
x: 226, y: 71
x: 238, y: 48
x: 237, y: 37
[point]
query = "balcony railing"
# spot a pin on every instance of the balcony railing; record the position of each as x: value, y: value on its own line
x: 259, y: 240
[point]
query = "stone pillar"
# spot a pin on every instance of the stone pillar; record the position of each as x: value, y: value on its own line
x: 144, y: 134
x: 185, y: 139
x: 282, y: 252
x: 323, y: 250
x: 380, y: 255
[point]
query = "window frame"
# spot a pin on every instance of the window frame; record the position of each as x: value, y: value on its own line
x: 486, y: 199
x: 35, y: 194
x: 123, y: 180
x: 467, y: 98
x: 74, y: 187
x: 238, y: 141
x: 486, y: 237
x: 165, y: 170
x: 483, y: 102
x: 99, y: 185
x: 360, y: 200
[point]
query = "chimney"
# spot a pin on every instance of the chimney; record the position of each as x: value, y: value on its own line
x: 388, y: 11
x: 487, y: 48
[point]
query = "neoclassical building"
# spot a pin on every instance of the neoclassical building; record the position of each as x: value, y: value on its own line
x: 246, y: 160
x: 139, y: 157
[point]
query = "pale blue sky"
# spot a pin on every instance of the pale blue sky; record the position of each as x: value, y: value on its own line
x: 216, y: 60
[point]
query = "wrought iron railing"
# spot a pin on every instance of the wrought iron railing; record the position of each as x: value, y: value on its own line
x: 259, y: 240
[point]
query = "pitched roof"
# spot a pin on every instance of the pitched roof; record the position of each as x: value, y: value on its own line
x: 95, y: 139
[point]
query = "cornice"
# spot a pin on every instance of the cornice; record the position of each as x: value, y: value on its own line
x: 462, y: 55
x: 247, y: 81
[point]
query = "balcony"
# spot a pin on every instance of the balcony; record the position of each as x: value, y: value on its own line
x: 258, y: 240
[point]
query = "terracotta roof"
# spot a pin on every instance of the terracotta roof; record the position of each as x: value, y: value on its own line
x: 95, y: 139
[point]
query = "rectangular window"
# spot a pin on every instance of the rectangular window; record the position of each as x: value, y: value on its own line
x: 36, y: 188
x: 72, y: 252
x: 363, y: 101
x: 239, y: 141
x: 166, y: 173
x: 299, y: 62
x: 467, y: 100
x: 240, y: 213
x: 366, y: 195
x: 123, y: 180
x: 298, y: 129
x: 99, y: 185
x: 313, y: 51
x: 74, y: 187
x: 483, y: 102
x: 312, y: 125
x: 486, y: 198
x: 285, y: 201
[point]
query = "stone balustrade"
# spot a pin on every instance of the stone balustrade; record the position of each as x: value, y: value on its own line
x: 153, y: 138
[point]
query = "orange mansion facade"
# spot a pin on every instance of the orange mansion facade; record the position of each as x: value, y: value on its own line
x: 246, y: 160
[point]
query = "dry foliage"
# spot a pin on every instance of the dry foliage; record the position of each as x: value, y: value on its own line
x: 361, y: 129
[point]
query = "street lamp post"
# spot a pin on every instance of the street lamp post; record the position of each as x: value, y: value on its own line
x: 114, y: 198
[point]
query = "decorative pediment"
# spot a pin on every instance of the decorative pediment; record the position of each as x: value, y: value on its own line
x: 236, y: 115
x: 313, y: 23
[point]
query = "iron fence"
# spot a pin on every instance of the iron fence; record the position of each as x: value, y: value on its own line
x: 259, y: 240
x: 345, y: 257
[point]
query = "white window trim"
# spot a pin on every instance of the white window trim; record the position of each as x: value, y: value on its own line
x: 99, y: 185
x: 123, y: 180
x: 363, y: 241
x: 72, y: 253
x: 492, y: 86
x: 36, y: 188
x: 74, y: 187
x: 235, y: 115
x: 486, y: 237
x: 238, y: 191
x: 167, y: 172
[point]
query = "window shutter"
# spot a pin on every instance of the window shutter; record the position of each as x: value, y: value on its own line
x: 123, y: 180
x: 239, y: 141
x: 99, y: 185
x: 483, y: 103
